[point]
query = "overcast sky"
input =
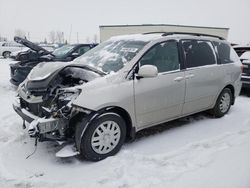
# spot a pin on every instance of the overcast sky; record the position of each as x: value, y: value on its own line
x: 39, y: 17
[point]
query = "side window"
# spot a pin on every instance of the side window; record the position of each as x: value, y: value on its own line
x: 82, y: 50
x: 164, y: 56
x: 226, y: 53
x: 12, y: 44
x: 198, y: 53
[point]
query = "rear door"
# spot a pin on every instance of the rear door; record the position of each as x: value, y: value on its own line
x: 230, y: 62
x: 204, y: 78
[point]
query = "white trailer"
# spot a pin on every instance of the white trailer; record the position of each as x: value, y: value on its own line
x: 107, y: 31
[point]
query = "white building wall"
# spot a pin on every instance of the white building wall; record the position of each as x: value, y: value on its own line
x: 108, y: 31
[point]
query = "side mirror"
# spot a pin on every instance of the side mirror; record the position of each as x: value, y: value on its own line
x: 147, y: 71
x: 75, y: 54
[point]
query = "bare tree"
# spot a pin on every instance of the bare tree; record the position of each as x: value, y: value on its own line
x: 87, y: 39
x: 19, y: 33
x: 60, y: 37
x: 52, y: 36
x: 56, y: 37
x: 1, y: 38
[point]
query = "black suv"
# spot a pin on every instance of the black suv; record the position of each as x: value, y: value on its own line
x: 244, y: 54
x: 20, y: 70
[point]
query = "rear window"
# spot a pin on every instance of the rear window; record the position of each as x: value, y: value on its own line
x: 198, y: 53
x: 226, y: 53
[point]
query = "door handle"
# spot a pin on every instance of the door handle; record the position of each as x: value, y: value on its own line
x: 178, y: 79
x: 189, y: 76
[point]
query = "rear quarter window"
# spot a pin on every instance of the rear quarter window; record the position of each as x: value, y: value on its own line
x: 226, y: 53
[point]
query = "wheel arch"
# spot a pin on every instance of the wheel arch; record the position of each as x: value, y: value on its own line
x: 231, y: 87
x: 130, y: 134
x: 5, y: 52
x: 88, y: 118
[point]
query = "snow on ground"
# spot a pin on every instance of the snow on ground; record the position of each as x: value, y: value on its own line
x: 192, y: 152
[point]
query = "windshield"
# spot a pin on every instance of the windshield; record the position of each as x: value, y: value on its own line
x: 111, y: 56
x: 60, y: 52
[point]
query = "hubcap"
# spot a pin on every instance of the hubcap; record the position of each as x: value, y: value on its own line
x: 225, y: 102
x: 105, y: 137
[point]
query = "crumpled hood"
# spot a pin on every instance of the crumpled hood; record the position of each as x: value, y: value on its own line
x: 45, y: 69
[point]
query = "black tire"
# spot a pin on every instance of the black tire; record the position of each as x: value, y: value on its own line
x: 217, y: 110
x: 85, y: 143
x: 6, y: 54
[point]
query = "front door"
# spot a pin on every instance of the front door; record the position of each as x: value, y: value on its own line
x: 160, y: 98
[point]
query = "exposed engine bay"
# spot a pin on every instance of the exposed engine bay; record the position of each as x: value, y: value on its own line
x: 49, y: 102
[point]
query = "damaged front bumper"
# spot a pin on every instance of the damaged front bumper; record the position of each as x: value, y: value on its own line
x: 42, y: 128
x: 45, y: 130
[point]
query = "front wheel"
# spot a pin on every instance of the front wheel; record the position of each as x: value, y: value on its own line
x: 103, y: 137
x: 223, y: 103
x: 6, y: 54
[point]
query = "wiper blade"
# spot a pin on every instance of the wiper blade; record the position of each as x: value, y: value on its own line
x: 51, y: 53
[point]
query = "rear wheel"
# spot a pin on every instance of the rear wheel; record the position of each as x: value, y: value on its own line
x: 6, y: 54
x: 223, y: 103
x: 103, y: 137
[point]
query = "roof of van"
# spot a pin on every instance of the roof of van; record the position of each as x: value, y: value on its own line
x: 158, y: 35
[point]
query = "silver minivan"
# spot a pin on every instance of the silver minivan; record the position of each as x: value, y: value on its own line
x: 127, y: 84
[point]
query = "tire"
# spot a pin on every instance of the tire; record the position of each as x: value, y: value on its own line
x: 223, y: 103
x: 103, y: 137
x: 6, y: 54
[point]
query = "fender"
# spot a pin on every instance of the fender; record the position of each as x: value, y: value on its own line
x: 85, y: 122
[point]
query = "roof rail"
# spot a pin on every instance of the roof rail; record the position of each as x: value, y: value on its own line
x: 183, y: 33
x: 194, y: 34
x: 154, y: 32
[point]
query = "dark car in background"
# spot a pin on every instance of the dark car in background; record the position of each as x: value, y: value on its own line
x: 20, y: 70
x: 243, y: 52
x: 241, y: 49
x: 245, y: 77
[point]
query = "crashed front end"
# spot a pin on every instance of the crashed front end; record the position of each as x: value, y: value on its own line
x: 46, y: 105
x: 47, y: 120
